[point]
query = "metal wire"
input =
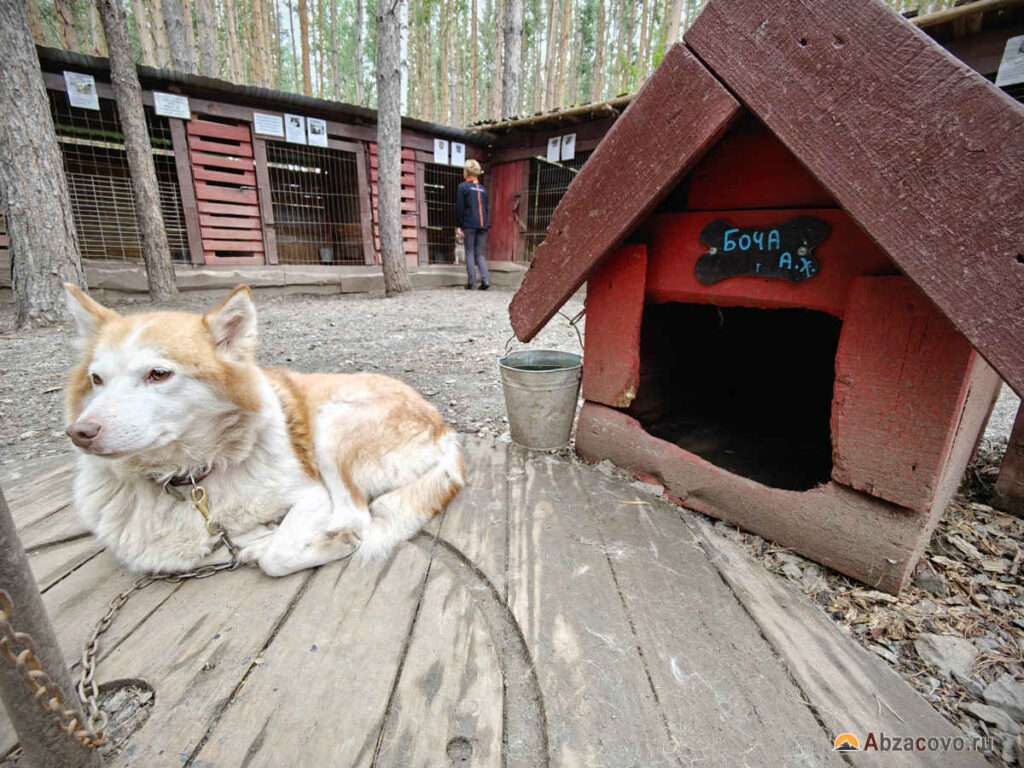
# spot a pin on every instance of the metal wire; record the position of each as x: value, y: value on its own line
x: 315, y: 194
x: 548, y: 183
x: 440, y: 186
x: 99, y: 181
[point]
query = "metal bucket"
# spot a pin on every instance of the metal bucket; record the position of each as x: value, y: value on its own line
x: 541, y: 389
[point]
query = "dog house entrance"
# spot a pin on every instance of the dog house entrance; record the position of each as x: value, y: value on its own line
x: 749, y: 390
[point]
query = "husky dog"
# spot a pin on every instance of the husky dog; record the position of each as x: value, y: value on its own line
x: 300, y: 469
x: 460, y: 247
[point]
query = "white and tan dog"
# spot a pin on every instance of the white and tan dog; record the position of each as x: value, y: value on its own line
x: 299, y: 468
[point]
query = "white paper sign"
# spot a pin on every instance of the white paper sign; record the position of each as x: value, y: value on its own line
x: 317, y: 130
x: 569, y: 146
x: 294, y: 128
x: 441, y: 151
x: 458, y: 154
x: 171, y: 105
x: 268, y: 125
x: 554, y: 149
x: 81, y: 90
x: 1011, y: 68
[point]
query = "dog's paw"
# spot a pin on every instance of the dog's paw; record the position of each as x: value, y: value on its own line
x: 341, y: 543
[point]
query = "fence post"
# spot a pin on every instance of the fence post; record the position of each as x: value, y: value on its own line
x: 43, y: 744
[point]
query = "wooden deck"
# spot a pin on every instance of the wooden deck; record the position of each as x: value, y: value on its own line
x: 552, y: 616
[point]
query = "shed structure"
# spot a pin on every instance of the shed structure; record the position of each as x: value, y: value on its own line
x: 804, y: 266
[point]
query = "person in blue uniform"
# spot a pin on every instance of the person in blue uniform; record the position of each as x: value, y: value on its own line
x: 471, y: 215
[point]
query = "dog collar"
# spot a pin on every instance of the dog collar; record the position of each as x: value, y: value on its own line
x: 189, y: 478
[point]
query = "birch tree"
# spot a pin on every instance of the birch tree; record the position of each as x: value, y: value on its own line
x: 125, y: 82
x: 33, y: 188
x: 389, y: 146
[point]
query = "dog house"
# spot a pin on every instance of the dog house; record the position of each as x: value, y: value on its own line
x: 804, y: 270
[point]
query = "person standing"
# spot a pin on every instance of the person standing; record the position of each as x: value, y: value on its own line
x: 472, y: 217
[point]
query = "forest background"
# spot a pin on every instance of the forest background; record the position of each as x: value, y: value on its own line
x: 572, y: 51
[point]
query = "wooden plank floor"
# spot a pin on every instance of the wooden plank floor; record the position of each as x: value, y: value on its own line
x: 551, y: 617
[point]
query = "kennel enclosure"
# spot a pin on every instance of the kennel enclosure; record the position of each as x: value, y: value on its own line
x: 793, y: 323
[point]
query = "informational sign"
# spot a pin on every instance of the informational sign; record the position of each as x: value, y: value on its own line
x: 785, y: 251
x: 1011, y: 68
x: 317, y: 130
x: 267, y: 125
x: 458, y: 154
x: 171, y: 105
x: 554, y: 149
x: 295, y: 129
x: 81, y: 90
x: 569, y: 146
x: 441, y: 151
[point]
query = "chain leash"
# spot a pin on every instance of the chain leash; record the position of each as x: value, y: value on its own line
x: 48, y: 694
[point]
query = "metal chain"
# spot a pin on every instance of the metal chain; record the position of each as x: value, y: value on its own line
x: 92, y: 733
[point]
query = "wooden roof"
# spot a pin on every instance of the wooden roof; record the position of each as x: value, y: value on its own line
x: 925, y: 154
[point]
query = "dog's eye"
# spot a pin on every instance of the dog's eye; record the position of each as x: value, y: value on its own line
x: 96, y: 380
x: 159, y: 374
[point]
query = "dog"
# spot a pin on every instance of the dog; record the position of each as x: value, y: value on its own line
x: 460, y: 247
x: 299, y: 469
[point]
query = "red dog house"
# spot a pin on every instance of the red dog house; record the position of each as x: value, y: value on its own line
x: 797, y: 249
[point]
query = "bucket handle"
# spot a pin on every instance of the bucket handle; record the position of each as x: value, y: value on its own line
x: 572, y: 321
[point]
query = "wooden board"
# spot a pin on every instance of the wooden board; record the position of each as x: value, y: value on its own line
x: 222, y: 161
x: 874, y: 698
x: 206, y: 220
x: 206, y: 206
x: 201, y: 145
x: 901, y: 380
x: 921, y: 151
x: 238, y: 133
x: 1009, y: 491
x: 680, y: 112
x: 659, y: 574
x: 247, y: 178
x: 675, y: 246
x: 346, y: 635
x: 225, y: 194
x: 209, y: 233
x: 232, y: 245
x: 615, y: 302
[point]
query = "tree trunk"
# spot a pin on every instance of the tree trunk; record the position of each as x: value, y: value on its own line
x: 334, y: 50
x: 182, y: 56
x: 190, y: 32
x: 33, y: 189
x: 675, y: 11
x: 403, y: 53
x: 163, y: 49
x: 389, y: 146
x: 550, y: 58
x: 232, y: 45
x: 307, y: 84
x: 66, y: 24
x: 564, y: 30
x: 360, y: 25
x: 597, y: 78
x: 498, y: 85
x: 513, y: 49
x: 641, y: 59
x: 125, y: 82
x: 142, y: 27
x: 207, y: 24
x: 35, y: 22
x: 99, y: 42
x: 474, y: 104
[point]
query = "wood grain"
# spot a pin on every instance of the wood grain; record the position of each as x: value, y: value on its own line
x: 680, y: 113
x: 924, y: 153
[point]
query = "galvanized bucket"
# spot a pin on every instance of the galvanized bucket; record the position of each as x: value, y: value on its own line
x: 541, y: 389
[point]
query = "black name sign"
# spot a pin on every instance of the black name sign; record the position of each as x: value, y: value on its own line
x: 785, y: 251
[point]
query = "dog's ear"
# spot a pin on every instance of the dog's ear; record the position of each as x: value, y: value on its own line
x: 232, y: 324
x: 88, y: 313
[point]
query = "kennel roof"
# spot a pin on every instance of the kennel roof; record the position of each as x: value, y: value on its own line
x: 921, y: 151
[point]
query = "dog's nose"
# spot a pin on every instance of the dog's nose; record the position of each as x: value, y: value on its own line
x: 82, y: 433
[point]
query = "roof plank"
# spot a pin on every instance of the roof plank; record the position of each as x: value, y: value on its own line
x: 678, y: 115
x: 923, y: 152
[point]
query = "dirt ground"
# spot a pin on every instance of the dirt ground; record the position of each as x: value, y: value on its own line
x: 969, y: 589
x: 443, y: 342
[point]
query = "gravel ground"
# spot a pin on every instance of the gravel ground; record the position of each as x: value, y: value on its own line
x: 443, y: 342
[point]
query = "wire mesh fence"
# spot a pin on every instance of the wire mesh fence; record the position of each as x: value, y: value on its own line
x: 99, y: 181
x: 548, y: 183
x: 315, y: 194
x: 440, y: 185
